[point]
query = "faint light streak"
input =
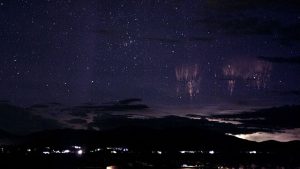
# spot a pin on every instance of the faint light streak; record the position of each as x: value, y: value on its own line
x: 188, y: 80
x: 254, y: 72
x: 261, y: 73
x: 230, y: 72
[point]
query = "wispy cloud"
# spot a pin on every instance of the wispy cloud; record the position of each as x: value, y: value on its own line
x: 287, y: 60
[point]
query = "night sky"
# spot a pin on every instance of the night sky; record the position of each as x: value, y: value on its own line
x: 172, y: 54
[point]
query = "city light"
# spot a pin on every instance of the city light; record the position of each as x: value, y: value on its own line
x: 66, y: 151
x: 79, y: 152
x: 76, y: 147
x: 187, y: 152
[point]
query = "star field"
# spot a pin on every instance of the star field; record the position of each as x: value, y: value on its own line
x: 99, y: 50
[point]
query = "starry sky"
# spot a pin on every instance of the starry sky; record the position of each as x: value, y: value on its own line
x: 170, y: 53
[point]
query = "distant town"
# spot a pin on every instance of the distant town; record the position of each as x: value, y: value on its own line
x: 84, y: 157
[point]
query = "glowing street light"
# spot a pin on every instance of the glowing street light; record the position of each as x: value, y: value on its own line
x: 79, y: 152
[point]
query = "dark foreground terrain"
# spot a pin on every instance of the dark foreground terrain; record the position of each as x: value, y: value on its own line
x: 148, y: 161
x: 138, y: 147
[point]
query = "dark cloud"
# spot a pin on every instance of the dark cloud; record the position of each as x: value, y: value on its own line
x: 129, y: 101
x: 77, y: 113
x: 162, y: 40
x: 292, y: 92
x: 18, y: 120
x: 243, y: 25
x: 286, y: 34
x: 276, y: 118
x: 125, y: 101
x: 108, y: 121
x: 286, y: 93
x: 179, y: 40
x: 4, y: 101
x: 200, y: 39
x: 239, y: 18
x: 194, y: 116
x: 4, y: 134
x: 289, y: 60
x: 77, y: 121
x: 232, y: 5
x: 55, y: 104
x: 122, y: 105
x: 289, y: 34
x: 115, y: 106
x: 39, y: 106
